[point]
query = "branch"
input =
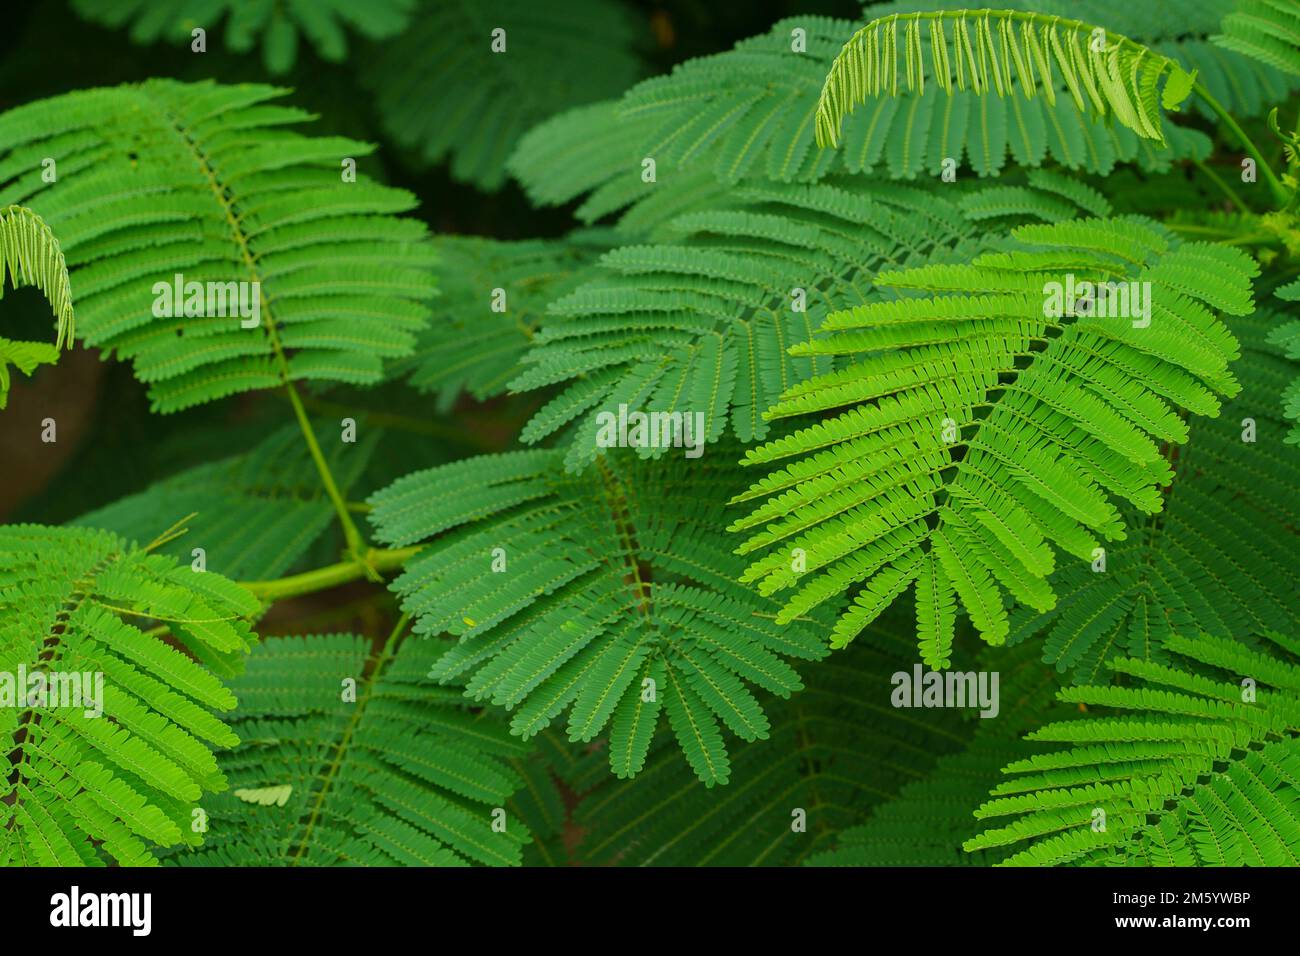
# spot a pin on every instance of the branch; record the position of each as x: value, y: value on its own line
x: 355, y: 542
x: 1275, y: 186
x: 375, y: 560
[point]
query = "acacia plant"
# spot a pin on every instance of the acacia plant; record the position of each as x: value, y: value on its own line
x: 861, y: 357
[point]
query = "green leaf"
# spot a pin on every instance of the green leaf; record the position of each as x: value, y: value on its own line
x: 115, y: 753
x: 341, y: 764
x: 606, y: 593
x: 204, y: 182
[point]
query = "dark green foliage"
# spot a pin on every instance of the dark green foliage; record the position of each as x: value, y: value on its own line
x: 927, y: 821
x: 397, y: 574
x: 605, y: 594
x: 819, y: 761
x: 254, y: 514
x: 453, y: 86
x: 275, y: 27
x: 1265, y: 30
x: 1287, y: 335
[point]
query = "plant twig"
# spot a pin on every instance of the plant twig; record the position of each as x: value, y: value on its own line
x: 1274, y: 184
x: 355, y: 542
x: 374, y: 561
x: 1219, y: 181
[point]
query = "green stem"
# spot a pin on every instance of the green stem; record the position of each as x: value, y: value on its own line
x: 1293, y: 169
x: 355, y: 542
x: 1223, y: 236
x: 1274, y: 184
x: 374, y: 560
x: 1219, y: 181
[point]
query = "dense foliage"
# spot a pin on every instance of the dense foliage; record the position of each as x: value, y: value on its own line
x: 541, y: 434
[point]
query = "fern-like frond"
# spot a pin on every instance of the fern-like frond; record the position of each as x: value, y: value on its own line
x: 1145, y: 21
x: 606, y: 594
x: 1200, y: 767
x: 1000, y: 51
x: 749, y: 114
x: 1241, y: 84
x: 838, y: 751
x: 542, y: 803
x: 1265, y: 30
x: 345, y: 763
x: 1047, y: 196
x: 111, y: 760
x: 1210, y: 559
x: 994, y: 423
x: 467, y: 80
x: 30, y: 256
x: 701, y: 320
x: 204, y: 182
x: 276, y: 27
x: 817, y: 771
